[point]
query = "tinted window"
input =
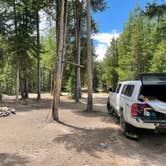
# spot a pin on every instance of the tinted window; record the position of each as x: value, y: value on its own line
x: 124, y: 88
x: 154, y: 79
x: 128, y: 90
x: 118, y: 88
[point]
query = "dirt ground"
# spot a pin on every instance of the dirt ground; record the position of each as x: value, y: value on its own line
x: 31, y: 138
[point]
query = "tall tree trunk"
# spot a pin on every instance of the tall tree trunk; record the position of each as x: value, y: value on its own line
x: 0, y: 93
x: 50, y: 81
x: 58, y: 77
x: 38, y: 52
x: 17, y: 84
x: 65, y: 34
x: 22, y: 88
x: 26, y: 86
x: 78, y: 47
x: 18, y: 71
x: 74, y: 88
x: 89, y: 59
x: 24, y: 83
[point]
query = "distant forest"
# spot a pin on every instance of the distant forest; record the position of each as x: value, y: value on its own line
x: 30, y: 58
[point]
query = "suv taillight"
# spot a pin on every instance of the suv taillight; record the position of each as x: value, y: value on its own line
x: 134, y: 109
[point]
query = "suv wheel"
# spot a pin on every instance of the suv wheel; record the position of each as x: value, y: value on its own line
x: 125, y: 127
x: 128, y: 130
x: 109, y: 107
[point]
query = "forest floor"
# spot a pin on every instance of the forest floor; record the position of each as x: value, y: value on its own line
x: 31, y: 138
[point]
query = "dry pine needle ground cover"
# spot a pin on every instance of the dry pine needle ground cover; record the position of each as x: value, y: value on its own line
x: 31, y: 138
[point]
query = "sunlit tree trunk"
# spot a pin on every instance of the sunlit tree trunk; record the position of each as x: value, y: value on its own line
x: 38, y: 52
x: 58, y: 74
x: 17, y: 84
x: 65, y: 34
x: 26, y: 89
x: 89, y: 59
x: 0, y: 93
x: 78, y: 48
x: 18, y: 70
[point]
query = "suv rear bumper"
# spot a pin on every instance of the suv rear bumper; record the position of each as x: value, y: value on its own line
x: 147, y: 123
x: 148, y: 120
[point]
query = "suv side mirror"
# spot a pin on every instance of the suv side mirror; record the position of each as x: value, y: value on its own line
x: 111, y: 90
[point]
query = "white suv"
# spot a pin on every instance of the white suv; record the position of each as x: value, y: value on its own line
x: 140, y: 104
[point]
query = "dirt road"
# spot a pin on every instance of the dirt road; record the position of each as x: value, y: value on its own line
x: 31, y: 138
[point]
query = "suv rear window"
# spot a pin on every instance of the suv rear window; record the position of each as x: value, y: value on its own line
x: 128, y: 90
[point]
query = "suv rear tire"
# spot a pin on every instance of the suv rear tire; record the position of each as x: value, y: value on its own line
x: 125, y: 127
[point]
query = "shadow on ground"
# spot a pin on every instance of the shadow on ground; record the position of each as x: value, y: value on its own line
x: 111, y: 141
x: 7, y: 159
x: 88, y: 140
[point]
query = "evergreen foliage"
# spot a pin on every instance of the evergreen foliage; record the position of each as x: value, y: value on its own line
x: 141, y: 46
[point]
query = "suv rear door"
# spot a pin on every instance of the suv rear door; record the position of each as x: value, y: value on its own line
x: 153, y: 79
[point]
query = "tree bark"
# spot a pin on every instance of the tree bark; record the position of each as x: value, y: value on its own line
x: 18, y: 71
x: 24, y: 84
x: 58, y: 74
x: 26, y: 89
x: 17, y: 84
x: 89, y: 59
x: 38, y: 52
x: 65, y: 34
x: 22, y: 89
x: 78, y: 45
x: 0, y: 93
x: 50, y: 81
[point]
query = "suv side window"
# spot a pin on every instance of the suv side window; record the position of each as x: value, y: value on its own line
x: 128, y: 90
x: 124, y: 89
x: 118, y: 88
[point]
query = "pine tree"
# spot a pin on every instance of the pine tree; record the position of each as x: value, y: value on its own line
x: 111, y: 64
x: 137, y: 48
x: 124, y: 49
x: 58, y: 75
x: 89, y: 60
x: 78, y: 29
x: 159, y: 59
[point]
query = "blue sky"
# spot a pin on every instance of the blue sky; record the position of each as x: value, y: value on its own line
x: 110, y: 23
